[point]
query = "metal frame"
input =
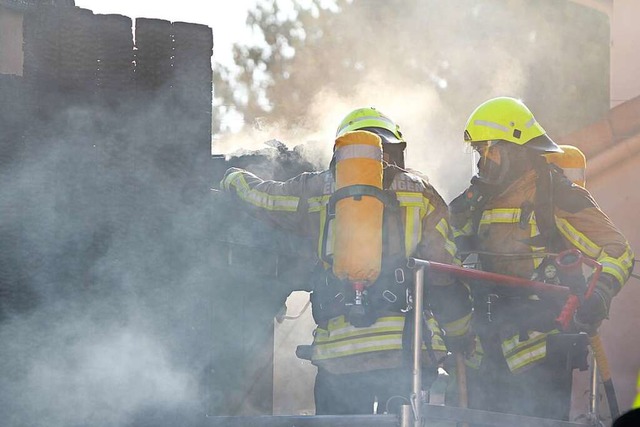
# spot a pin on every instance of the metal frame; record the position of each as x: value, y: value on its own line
x: 427, y: 413
x: 304, y: 421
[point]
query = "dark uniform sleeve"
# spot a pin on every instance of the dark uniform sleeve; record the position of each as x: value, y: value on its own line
x: 449, y: 297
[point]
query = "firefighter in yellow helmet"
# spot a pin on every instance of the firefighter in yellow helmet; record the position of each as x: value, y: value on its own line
x: 365, y: 359
x: 517, y: 208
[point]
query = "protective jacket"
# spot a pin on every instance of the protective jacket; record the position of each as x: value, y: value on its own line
x: 540, y: 212
x: 300, y: 205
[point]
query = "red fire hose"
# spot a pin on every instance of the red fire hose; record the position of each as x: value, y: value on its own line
x: 569, y: 261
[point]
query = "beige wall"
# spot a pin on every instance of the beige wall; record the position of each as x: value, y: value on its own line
x: 624, y: 83
x: 11, y: 56
x: 625, y: 51
x: 612, y: 148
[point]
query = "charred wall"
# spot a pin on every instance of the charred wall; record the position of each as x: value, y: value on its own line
x: 113, y: 107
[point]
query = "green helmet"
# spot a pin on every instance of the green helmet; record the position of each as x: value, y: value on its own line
x: 507, y: 119
x: 372, y: 120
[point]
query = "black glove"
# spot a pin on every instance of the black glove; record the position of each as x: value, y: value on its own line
x: 473, y: 198
x: 595, y: 309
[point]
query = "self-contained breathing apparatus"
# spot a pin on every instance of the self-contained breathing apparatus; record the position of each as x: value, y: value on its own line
x: 360, y: 278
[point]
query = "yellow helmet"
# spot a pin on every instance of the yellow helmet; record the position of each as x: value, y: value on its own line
x: 373, y: 120
x: 573, y: 163
x: 507, y: 119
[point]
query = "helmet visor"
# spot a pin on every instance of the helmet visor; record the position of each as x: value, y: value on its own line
x: 493, y: 162
x: 486, y: 149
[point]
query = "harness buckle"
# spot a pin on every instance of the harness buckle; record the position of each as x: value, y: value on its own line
x: 408, y: 301
x: 490, y: 301
x: 389, y: 296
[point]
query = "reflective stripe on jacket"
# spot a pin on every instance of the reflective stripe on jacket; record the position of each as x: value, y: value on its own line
x: 522, y: 354
x: 300, y: 205
x: 343, y: 348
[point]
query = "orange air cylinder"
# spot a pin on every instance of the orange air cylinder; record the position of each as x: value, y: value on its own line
x: 357, y: 253
x: 573, y: 163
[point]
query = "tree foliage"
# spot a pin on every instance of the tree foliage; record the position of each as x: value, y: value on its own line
x: 554, y: 54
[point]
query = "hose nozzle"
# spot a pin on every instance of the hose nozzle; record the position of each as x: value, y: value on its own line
x: 570, y: 261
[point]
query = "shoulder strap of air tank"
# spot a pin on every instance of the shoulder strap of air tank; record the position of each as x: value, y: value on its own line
x: 544, y: 208
x: 357, y: 191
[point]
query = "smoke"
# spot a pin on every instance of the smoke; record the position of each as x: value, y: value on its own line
x: 80, y: 371
x: 413, y: 107
x: 106, y: 286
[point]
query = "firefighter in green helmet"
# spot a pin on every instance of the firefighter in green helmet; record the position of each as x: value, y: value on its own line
x: 367, y: 361
x: 518, y: 208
